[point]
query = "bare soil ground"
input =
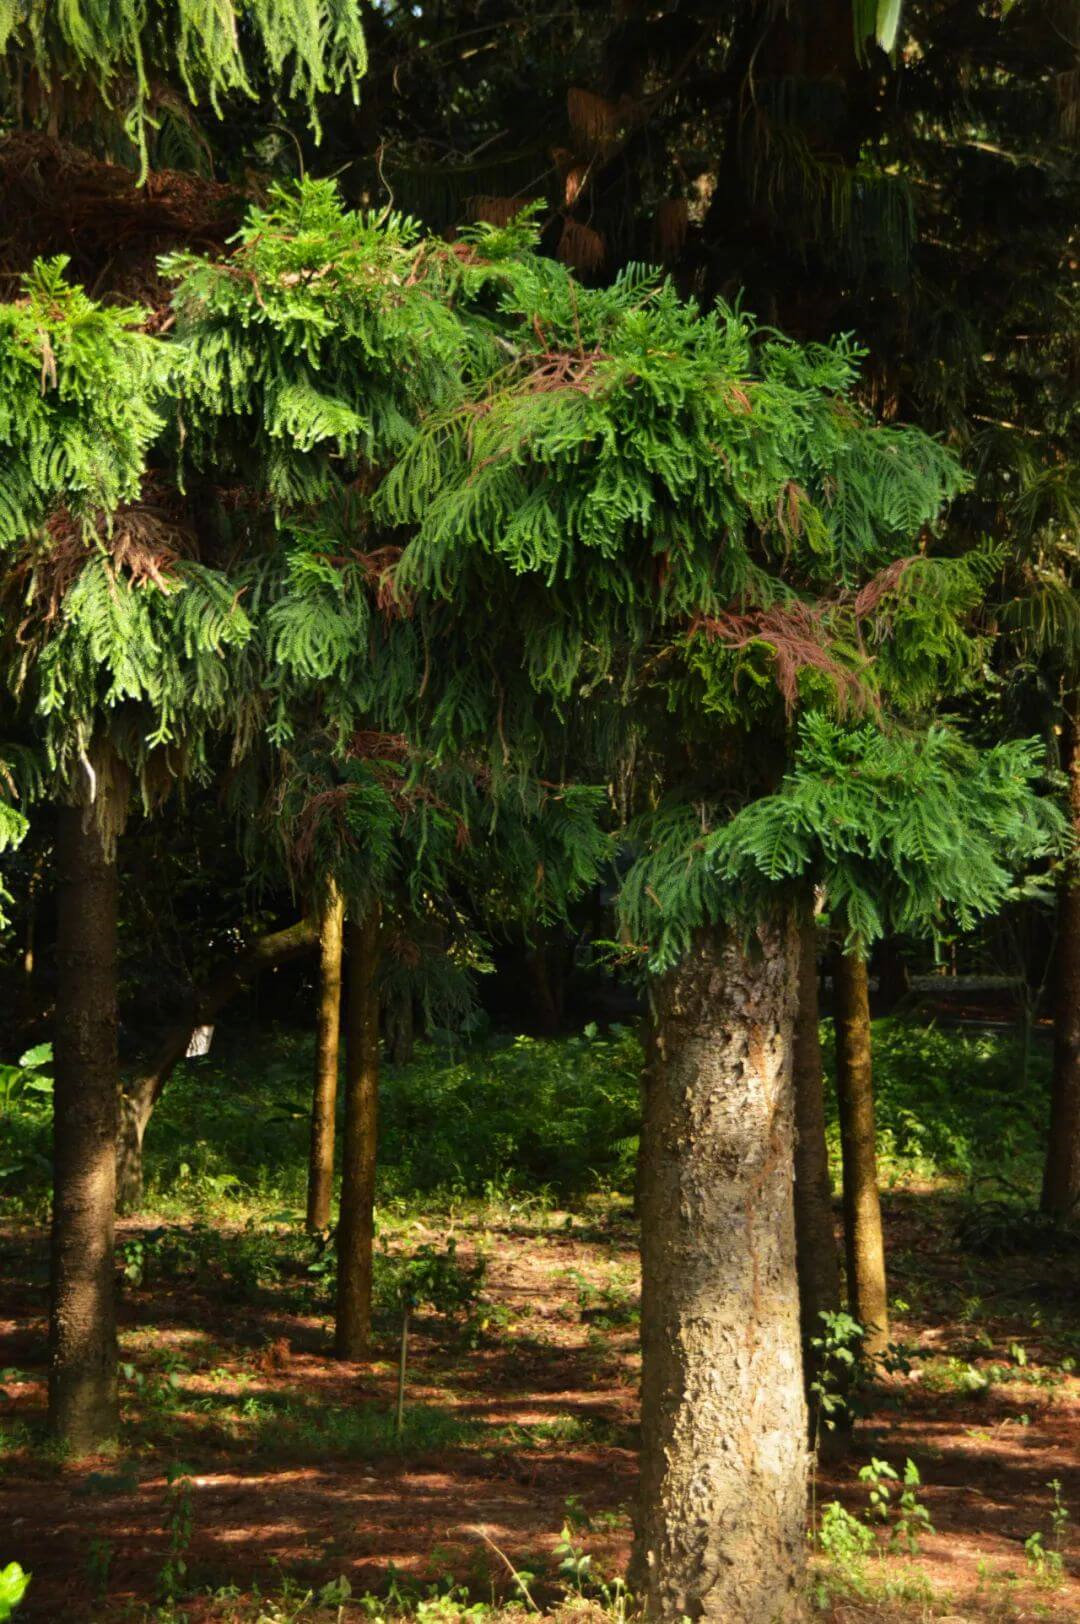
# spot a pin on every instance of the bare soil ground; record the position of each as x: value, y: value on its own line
x: 294, y: 1477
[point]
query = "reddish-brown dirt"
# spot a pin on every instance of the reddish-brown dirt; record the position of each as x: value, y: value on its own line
x: 509, y: 1437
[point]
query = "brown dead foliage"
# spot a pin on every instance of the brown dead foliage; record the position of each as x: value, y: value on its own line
x: 497, y: 211
x: 143, y: 546
x: 581, y: 247
x: 57, y: 199
x: 799, y: 638
x: 670, y: 226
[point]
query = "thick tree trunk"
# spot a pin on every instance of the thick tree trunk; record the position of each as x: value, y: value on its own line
x: 327, y: 1040
x: 815, y: 1236
x: 721, y: 1518
x: 141, y: 1093
x: 356, y: 1223
x: 1061, y: 1178
x: 863, y: 1238
x: 83, y: 1406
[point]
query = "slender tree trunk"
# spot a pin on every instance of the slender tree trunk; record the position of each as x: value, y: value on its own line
x: 815, y: 1236
x: 141, y: 1093
x: 400, y: 1020
x: 894, y: 983
x: 548, y: 982
x: 83, y: 1406
x: 864, y: 1241
x: 327, y: 1036
x: 722, y: 1509
x: 27, y: 981
x: 28, y: 957
x: 356, y: 1223
x: 1061, y: 1178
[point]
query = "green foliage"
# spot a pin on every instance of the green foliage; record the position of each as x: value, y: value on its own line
x: 899, y: 828
x: 894, y: 1502
x: 306, y: 48
x: 430, y: 1278
x: 13, y: 1586
x: 878, y: 20
x: 520, y: 1118
x: 81, y: 393
x: 903, y: 831
x: 528, y: 1115
x: 585, y: 474
x: 835, y: 1353
x: 179, y: 1528
x: 1046, y: 1560
x: 297, y: 340
x: 111, y: 626
x: 27, y: 1075
x: 662, y: 459
x: 952, y: 1104
x: 587, y: 489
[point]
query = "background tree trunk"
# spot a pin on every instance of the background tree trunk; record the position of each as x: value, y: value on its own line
x: 721, y: 1519
x: 355, y: 1234
x: 141, y: 1093
x: 815, y: 1235
x: 83, y: 1405
x: 1061, y: 1178
x: 400, y: 1018
x: 327, y: 1035
x: 863, y: 1237
x: 894, y: 982
x: 546, y: 971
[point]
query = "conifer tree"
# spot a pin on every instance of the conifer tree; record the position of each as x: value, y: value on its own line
x: 640, y: 469
x: 909, y: 172
x: 114, y: 629
x: 113, y: 638
x: 901, y: 831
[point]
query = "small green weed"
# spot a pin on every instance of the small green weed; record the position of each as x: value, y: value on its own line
x: 13, y: 1587
x: 180, y: 1527
x: 1044, y: 1552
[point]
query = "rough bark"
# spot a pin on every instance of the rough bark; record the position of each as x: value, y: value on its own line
x: 142, y: 1092
x: 83, y: 1405
x: 1061, y: 1177
x: 327, y: 1042
x: 721, y: 1518
x: 815, y: 1236
x: 356, y: 1222
x: 863, y: 1237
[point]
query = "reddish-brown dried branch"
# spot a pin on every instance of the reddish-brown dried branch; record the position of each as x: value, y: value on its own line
x: 144, y: 544
x: 798, y: 636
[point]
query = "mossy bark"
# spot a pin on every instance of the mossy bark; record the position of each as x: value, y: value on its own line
x: 1061, y: 1177
x: 721, y: 1519
x: 356, y: 1224
x: 83, y: 1406
x: 864, y: 1240
x: 327, y: 1044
